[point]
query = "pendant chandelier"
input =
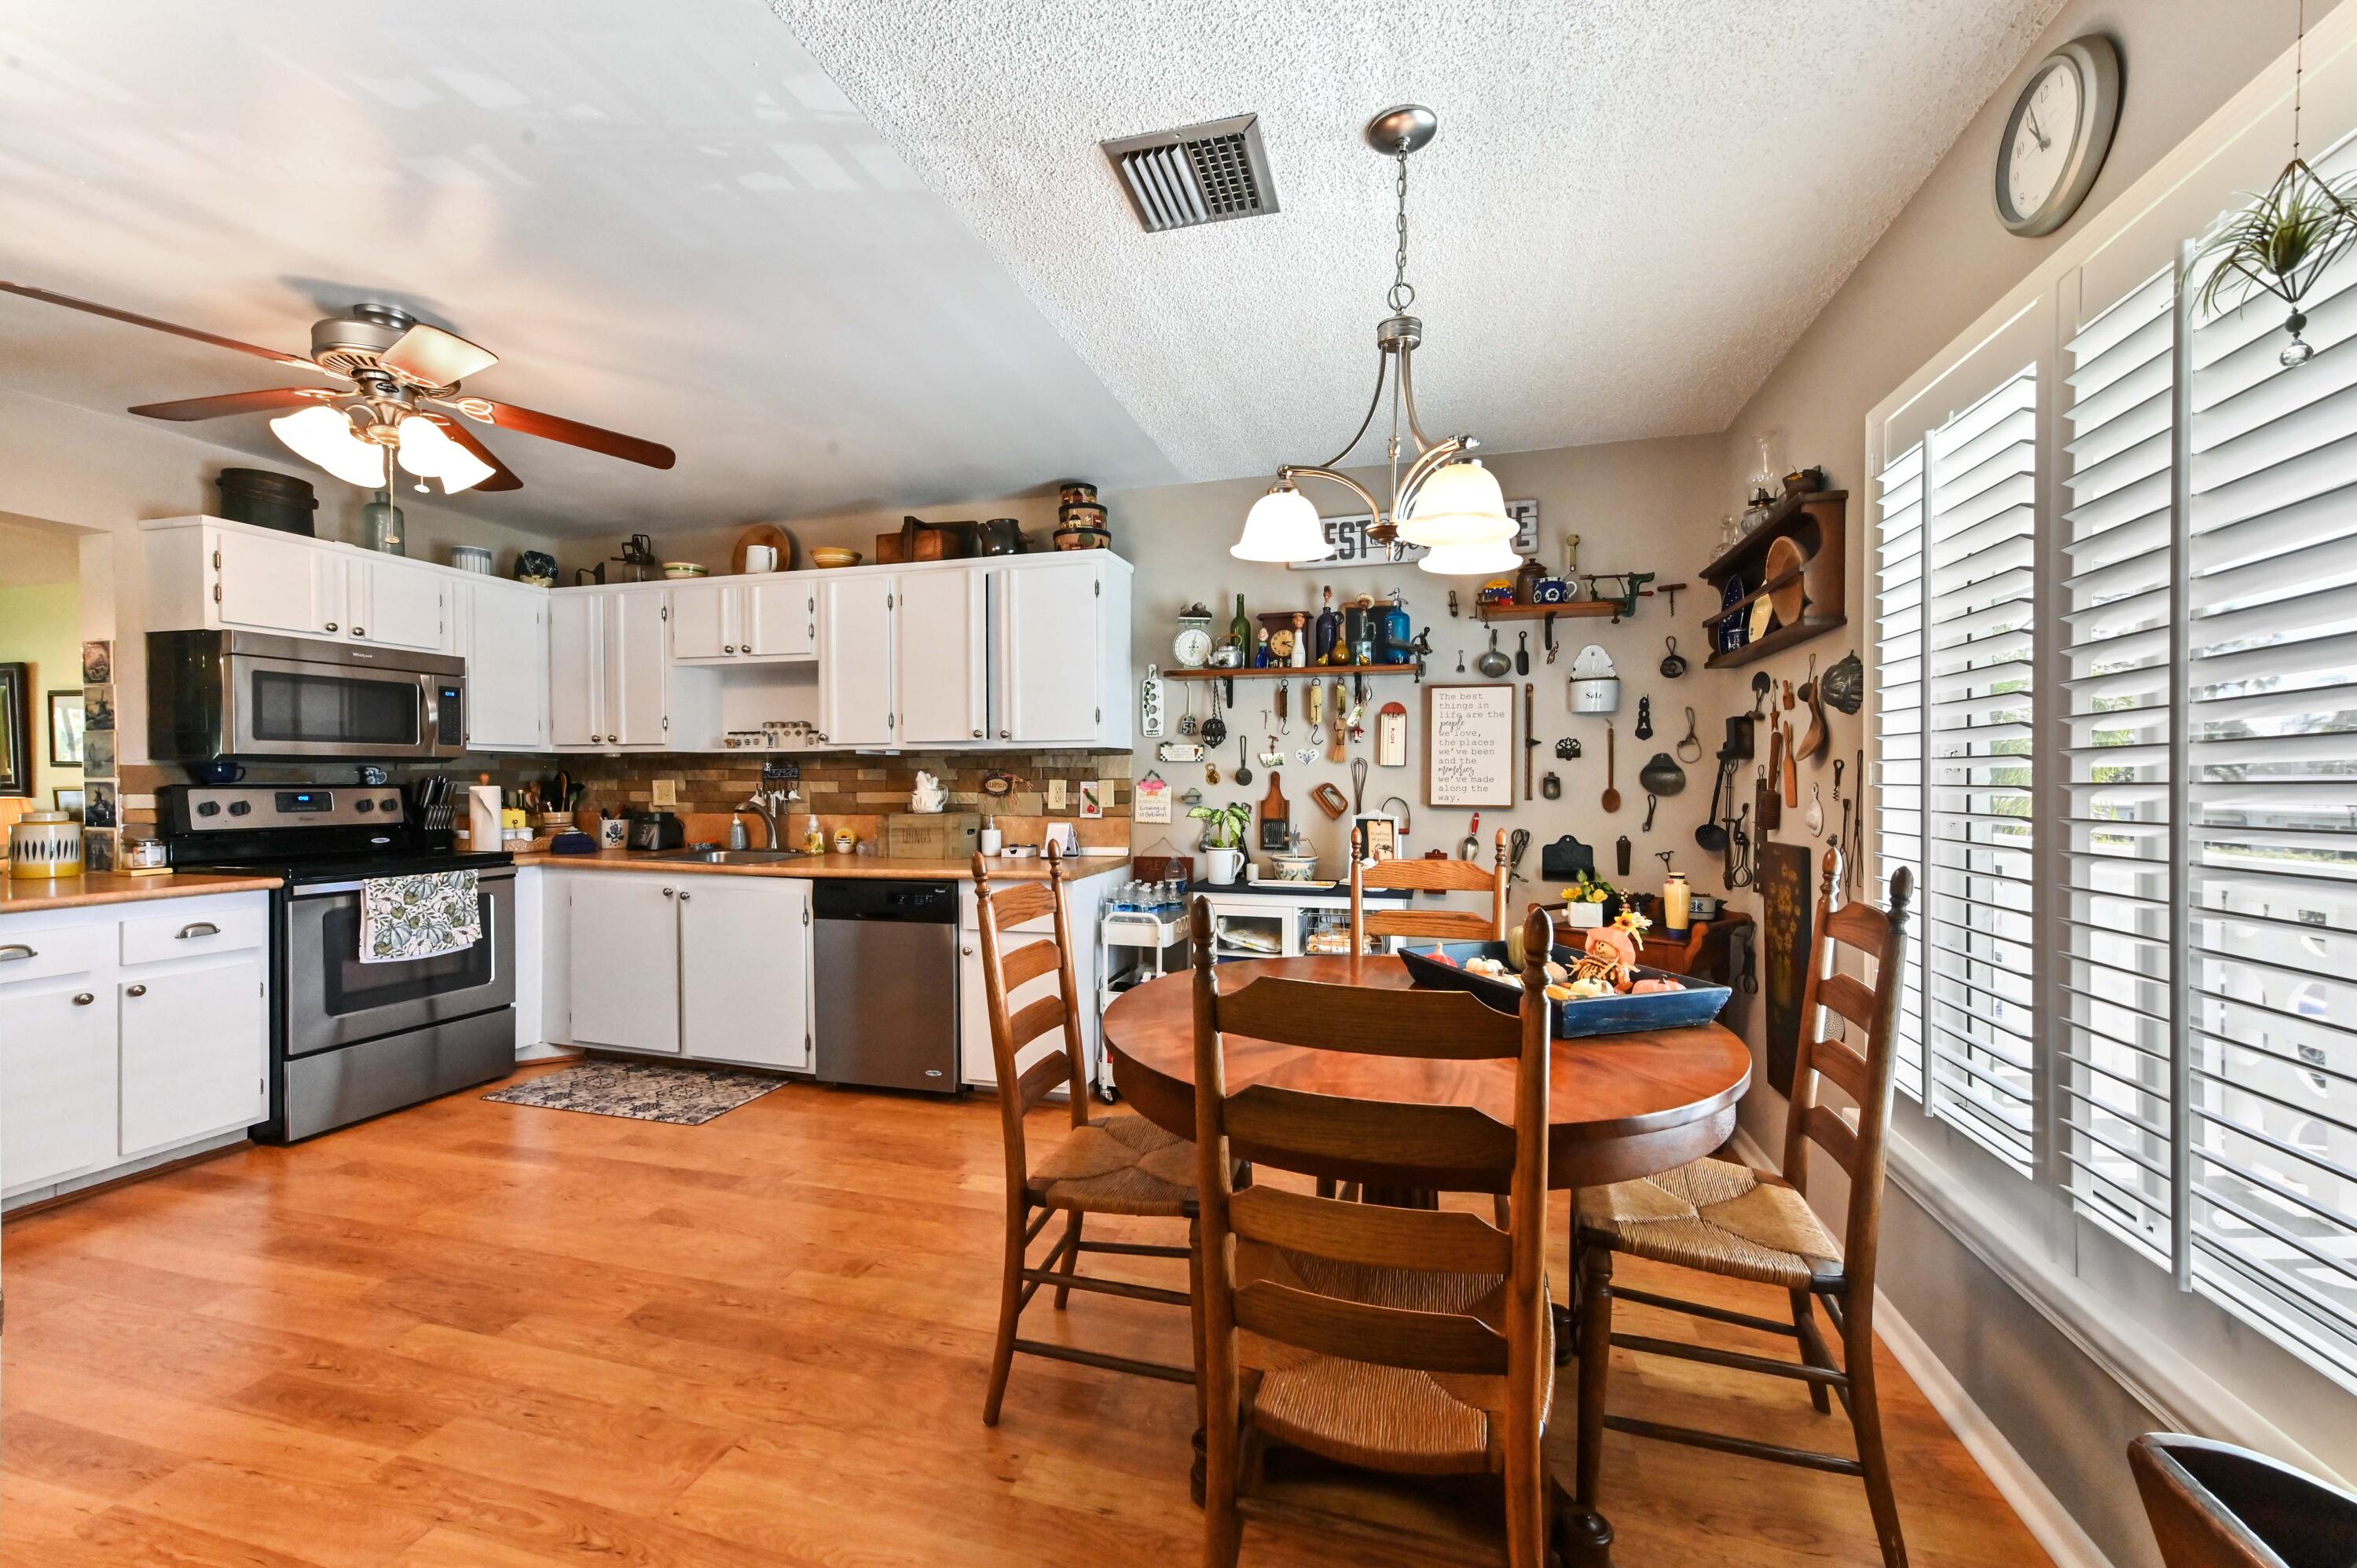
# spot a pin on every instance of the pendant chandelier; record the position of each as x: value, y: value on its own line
x: 1446, y: 502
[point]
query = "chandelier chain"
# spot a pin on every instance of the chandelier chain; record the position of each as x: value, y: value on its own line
x: 1403, y: 293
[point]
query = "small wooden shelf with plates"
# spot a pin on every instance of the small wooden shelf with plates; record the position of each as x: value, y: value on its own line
x: 1814, y: 522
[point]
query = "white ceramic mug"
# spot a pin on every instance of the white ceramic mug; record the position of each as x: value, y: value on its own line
x: 992, y: 838
x: 613, y: 833
x: 1227, y: 864
x: 760, y: 558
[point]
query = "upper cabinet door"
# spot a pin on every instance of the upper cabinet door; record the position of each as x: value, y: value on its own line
x: 277, y: 584
x: 1050, y: 620
x: 777, y: 618
x: 856, y: 660
x: 398, y: 606
x: 701, y: 621
x: 503, y: 638
x: 942, y: 631
x: 637, y: 669
x: 576, y: 704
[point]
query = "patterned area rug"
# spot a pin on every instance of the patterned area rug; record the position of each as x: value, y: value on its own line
x: 644, y: 1091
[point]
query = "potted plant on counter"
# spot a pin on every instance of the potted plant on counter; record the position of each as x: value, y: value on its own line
x: 1589, y: 902
x: 1223, y: 838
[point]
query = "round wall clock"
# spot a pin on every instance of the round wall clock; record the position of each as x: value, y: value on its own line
x: 2057, y: 135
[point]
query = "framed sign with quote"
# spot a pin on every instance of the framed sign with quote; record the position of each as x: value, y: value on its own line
x: 1348, y: 535
x: 1469, y: 744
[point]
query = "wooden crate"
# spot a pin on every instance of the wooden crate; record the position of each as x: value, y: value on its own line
x: 937, y: 836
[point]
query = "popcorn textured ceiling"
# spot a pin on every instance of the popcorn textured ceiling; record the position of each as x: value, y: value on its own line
x: 1633, y: 209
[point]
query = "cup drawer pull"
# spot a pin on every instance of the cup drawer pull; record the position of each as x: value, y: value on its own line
x: 197, y: 928
x: 15, y: 951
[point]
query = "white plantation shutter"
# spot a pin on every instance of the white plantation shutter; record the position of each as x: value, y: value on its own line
x: 1899, y: 719
x: 2114, y: 1072
x: 1955, y: 653
x: 2270, y: 715
x: 1979, y: 558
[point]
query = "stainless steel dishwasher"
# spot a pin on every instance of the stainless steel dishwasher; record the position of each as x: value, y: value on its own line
x: 886, y: 983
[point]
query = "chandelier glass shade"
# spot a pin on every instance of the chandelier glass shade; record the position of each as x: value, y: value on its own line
x: 1283, y: 525
x: 1443, y: 500
x: 1486, y: 560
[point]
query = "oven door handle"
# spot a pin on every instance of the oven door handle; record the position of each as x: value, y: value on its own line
x: 331, y: 889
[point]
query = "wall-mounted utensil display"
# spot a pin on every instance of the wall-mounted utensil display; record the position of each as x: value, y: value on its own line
x: 1330, y: 801
x: 1711, y: 836
x: 1652, y: 805
x: 1522, y: 653
x: 1815, y: 816
x: 1620, y: 855
x: 1270, y: 755
x: 1243, y: 763
x: 1275, y: 817
x: 1358, y: 784
x: 1762, y: 688
x: 1529, y: 738
x: 1611, y: 800
x: 1391, y: 735
x: 1550, y: 787
x: 1692, y: 739
x: 1567, y: 748
x: 1149, y: 703
x: 1492, y: 662
x: 1595, y: 684
x: 1662, y: 775
x: 1844, y: 687
x: 1644, y: 719
x: 1674, y: 663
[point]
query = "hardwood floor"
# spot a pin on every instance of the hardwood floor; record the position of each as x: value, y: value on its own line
x: 480, y: 1335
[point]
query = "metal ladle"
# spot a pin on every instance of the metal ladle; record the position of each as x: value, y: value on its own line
x: 1492, y: 663
x: 1711, y: 836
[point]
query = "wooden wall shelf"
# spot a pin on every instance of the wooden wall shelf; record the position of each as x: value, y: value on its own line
x: 1540, y: 612
x: 1288, y: 672
x: 1817, y: 521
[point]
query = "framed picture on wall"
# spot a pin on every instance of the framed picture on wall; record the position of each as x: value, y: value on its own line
x: 97, y: 708
x: 98, y: 805
x: 67, y: 801
x: 97, y: 663
x: 98, y: 754
x: 65, y: 727
x: 16, y: 729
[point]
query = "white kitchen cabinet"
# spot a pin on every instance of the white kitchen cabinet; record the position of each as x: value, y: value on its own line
x: 270, y: 582
x: 1050, y: 631
x: 195, y: 1051
x: 393, y: 603
x: 763, y: 618
x: 609, y: 671
x: 623, y: 961
x: 501, y: 630
x: 941, y: 636
x: 57, y: 1075
x: 744, y: 967
x: 855, y: 661
x: 129, y: 1032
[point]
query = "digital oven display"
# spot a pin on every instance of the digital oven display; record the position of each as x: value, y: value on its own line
x: 306, y: 800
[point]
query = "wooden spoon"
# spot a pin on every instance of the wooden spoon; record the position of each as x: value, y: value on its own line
x: 1813, y: 739
x: 1611, y: 801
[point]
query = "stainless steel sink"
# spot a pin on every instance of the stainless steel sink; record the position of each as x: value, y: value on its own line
x: 731, y: 857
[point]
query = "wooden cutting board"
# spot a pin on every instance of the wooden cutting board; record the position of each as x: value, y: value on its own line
x: 1275, y: 818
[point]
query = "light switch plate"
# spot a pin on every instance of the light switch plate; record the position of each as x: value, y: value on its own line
x: 666, y: 792
x: 1055, y: 794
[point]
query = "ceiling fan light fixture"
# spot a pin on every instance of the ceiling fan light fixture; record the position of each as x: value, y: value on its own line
x: 323, y: 436
x: 1459, y: 504
x: 1490, y: 559
x: 427, y: 451
x: 1283, y: 526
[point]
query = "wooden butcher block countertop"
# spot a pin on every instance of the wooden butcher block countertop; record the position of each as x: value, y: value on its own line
x: 903, y: 868
x: 21, y: 895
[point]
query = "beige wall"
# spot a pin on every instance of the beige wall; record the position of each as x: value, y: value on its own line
x: 39, y: 626
x: 105, y: 473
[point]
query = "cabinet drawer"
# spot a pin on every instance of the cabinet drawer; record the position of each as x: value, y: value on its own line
x: 35, y: 953
x: 192, y: 934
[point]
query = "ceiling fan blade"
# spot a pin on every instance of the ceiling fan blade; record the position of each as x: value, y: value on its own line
x: 148, y: 321
x: 235, y: 402
x: 502, y: 480
x: 436, y: 358
x: 573, y: 433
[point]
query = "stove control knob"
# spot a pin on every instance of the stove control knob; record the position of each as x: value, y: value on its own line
x: 389, y: 804
x: 240, y: 808
x: 209, y: 808
x: 364, y: 805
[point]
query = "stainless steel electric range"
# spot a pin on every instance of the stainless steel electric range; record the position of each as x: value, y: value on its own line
x: 350, y: 1040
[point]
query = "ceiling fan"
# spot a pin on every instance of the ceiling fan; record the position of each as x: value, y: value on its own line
x: 403, y: 376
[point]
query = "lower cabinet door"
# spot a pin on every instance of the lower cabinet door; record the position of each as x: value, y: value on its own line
x: 623, y: 960
x: 57, y: 1082
x: 195, y: 1049
x: 744, y: 971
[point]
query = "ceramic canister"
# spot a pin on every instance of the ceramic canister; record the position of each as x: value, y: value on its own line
x: 45, y: 845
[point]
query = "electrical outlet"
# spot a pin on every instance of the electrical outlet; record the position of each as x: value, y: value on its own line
x: 1055, y: 794
x: 666, y: 792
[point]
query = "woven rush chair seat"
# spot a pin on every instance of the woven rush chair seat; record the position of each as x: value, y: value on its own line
x: 1720, y: 1217
x: 1118, y: 1164
x: 1405, y: 1419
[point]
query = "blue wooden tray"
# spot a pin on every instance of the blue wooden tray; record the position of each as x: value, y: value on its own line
x: 1697, y: 1004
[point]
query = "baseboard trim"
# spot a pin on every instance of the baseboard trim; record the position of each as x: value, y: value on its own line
x: 2042, y: 1513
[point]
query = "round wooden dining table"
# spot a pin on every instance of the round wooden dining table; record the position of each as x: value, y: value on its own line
x: 1619, y: 1106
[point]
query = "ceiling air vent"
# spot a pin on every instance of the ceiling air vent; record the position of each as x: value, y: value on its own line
x: 1197, y: 174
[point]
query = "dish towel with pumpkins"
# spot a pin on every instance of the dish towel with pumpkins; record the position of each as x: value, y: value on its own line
x: 407, y: 918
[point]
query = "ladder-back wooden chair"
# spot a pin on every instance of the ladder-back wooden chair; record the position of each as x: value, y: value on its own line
x: 1116, y: 1163
x: 1724, y: 1218
x: 2212, y: 1505
x: 1428, y: 876
x: 1411, y: 1341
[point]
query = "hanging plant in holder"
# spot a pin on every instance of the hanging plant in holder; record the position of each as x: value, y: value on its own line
x: 2282, y: 244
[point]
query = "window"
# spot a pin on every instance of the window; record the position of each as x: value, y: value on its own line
x: 2172, y: 894
x: 1956, y: 545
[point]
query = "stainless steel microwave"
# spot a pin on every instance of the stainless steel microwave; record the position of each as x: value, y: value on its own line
x: 241, y: 693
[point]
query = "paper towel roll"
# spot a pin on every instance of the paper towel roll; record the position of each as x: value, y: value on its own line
x: 483, y: 818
